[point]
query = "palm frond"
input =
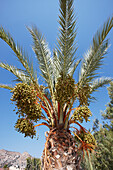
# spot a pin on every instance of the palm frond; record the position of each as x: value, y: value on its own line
x: 66, y: 46
x: 21, y: 76
x: 6, y: 86
x: 20, y: 54
x: 73, y: 68
x: 43, y: 55
x: 93, y: 58
x: 57, y: 67
x: 100, y: 82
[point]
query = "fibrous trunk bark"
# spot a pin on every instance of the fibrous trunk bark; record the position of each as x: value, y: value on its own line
x: 60, y: 152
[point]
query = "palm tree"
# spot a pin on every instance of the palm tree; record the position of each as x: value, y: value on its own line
x: 55, y: 102
x: 33, y: 164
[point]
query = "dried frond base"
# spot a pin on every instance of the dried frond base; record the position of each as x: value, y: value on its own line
x: 60, y: 152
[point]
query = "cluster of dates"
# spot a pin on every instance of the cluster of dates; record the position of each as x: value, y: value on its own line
x: 28, y: 110
x: 26, y: 127
x: 83, y: 94
x: 82, y: 113
x: 65, y: 89
x: 89, y: 139
x: 25, y: 98
x: 86, y: 137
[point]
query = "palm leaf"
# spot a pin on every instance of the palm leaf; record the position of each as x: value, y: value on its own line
x: 100, y: 82
x: 93, y: 58
x: 6, y: 86
x: 73, y: 68
x: 57, y: 66
x: 20, y: 54
x: 66, y: 46
x: 21, y: 76
x: 43, y: 54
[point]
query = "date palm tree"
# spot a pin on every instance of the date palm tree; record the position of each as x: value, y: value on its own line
x: 60, y: 103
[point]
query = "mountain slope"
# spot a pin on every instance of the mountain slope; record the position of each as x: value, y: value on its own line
x: 14, y: 159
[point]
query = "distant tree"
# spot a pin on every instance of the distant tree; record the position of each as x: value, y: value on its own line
x: 6, y: 167
x: 108, y: 114
x: 29, y: 164
x: 36, y: 164
x: 102, y: 158
x: 104, y: 153
x: 95, y: 125
x: 33, y: 164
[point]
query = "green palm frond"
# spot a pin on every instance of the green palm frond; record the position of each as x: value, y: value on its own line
x: 20, y: 54
x: 93, y: 58
x: 6, y: 86
x: 57, y: 66
x: 21, y: 76
x: 73, y: 68
x: 100, y: 82
x: 43, y: 55
x: 66, y: 46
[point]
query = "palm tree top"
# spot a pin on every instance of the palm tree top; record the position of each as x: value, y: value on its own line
x: 54, y: 102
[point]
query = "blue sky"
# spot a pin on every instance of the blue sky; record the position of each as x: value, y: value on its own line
x: 14, y: 17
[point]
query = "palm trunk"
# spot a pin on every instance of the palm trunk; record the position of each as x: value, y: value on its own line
x: 60, y: 152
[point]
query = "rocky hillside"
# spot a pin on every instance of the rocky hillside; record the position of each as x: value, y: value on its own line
x: 14, y: 159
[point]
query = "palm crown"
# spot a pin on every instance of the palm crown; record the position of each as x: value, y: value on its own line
x: 53, y: 103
